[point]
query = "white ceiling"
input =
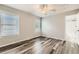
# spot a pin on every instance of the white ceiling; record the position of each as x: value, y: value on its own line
x: 32, y: 8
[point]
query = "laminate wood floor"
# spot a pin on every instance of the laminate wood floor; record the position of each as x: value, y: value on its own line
x: 44, y: 46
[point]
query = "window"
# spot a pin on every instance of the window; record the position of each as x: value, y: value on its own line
x: 9, y: 24
x: 37, y: 26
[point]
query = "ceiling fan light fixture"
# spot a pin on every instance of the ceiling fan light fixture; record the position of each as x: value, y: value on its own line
x: 46, y: 9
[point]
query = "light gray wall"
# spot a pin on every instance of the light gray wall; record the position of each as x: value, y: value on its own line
x: 54, y: 25
x: 27, y: 27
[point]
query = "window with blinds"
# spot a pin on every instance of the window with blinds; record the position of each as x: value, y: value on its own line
x: 9, y: 24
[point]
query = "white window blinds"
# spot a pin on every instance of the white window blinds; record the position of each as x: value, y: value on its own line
x: 9, y: 24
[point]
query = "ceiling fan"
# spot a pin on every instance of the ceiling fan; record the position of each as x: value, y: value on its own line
x: 46, y: 9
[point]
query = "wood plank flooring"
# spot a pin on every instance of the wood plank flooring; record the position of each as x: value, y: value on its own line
x: 44, y: 46
x: 70, y: 48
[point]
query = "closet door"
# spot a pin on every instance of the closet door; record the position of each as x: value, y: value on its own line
x: 77, y: 28
x: 70, y: 28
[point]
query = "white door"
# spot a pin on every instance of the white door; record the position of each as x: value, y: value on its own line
x: 77, y: 28
x: 70, y: 28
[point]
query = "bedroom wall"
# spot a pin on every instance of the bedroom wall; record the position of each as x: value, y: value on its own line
x: 54, y: 25
x: 26, y: 23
